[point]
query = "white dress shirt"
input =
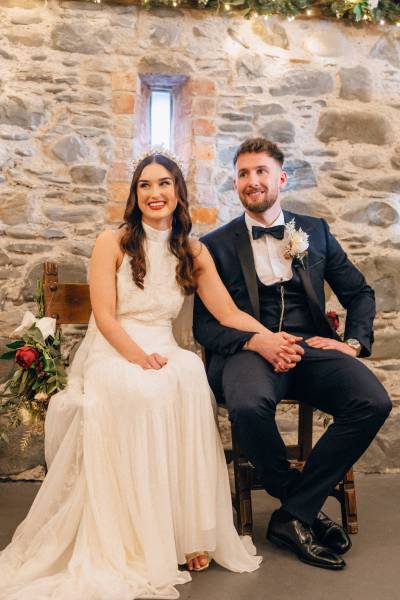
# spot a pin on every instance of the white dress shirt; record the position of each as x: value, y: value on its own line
x: 271, y: 265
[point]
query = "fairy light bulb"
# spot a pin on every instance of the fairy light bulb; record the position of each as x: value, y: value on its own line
x: 227, y: 6
x: 308, y: 12
x: 382, y: 22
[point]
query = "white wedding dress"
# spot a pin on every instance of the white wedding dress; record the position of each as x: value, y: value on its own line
x: 137, y: 476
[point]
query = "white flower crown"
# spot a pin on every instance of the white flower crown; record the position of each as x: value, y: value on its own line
x: 158, y: 150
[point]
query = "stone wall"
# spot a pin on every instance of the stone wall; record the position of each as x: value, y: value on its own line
x: 74, y: 83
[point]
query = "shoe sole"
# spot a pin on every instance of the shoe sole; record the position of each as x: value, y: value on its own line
x: 288, y: 546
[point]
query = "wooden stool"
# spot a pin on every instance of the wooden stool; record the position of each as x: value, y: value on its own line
x: 245, y: 477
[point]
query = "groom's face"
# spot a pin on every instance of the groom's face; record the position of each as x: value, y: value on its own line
x: 258, y: 179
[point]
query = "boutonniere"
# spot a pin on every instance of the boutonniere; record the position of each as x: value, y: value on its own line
x: 297, y: 242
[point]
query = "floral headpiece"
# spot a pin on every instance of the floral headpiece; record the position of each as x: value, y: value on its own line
x: 156, y: 150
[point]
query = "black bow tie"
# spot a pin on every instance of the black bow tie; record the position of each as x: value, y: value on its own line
x: 277, y: 232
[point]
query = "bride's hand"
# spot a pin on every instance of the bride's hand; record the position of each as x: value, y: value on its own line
x: 152, y: 361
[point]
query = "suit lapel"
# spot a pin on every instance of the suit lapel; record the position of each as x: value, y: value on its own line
x: 320, y: 321
x: 246, y: 258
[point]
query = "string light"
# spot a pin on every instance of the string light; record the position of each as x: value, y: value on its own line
x: 291, y: 5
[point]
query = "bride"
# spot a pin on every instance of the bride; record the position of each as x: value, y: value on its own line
x: 137, y: 482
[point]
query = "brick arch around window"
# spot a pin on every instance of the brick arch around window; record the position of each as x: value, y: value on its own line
x: 194, y: 101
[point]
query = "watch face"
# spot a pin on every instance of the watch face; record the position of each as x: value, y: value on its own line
x: 355, y: 344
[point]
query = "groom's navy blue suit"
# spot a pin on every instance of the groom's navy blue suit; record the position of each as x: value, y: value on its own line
x: 327, y: 379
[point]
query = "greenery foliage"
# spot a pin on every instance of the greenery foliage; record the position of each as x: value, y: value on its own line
x: 353, y: 10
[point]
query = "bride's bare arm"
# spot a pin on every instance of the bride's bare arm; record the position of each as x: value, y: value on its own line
x: 216, y: 297
x: 103, y: 296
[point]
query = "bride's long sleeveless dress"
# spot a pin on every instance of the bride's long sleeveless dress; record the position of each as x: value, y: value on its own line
x: 137, y: 476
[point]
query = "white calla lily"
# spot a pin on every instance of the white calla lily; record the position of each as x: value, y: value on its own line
x: 28, y: 320
x: 46, y: 325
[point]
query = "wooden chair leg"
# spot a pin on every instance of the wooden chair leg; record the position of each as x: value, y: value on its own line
x: 348, y: 502
x: 243, y: 474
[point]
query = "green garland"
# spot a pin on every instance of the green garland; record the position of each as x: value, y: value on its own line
x: 386, y: 10
x: 353, y: 10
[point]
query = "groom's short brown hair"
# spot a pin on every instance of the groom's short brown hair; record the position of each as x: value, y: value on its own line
x: 257, y: 145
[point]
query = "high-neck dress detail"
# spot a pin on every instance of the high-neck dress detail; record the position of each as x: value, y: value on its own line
x: 137, y: 476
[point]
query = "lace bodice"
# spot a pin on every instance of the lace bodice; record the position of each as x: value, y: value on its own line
x: 161, y: 299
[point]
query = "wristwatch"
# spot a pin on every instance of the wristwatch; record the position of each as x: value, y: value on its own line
x: 355, y: 344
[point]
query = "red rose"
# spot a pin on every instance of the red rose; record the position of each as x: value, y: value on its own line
x: 26, y: 356
x: 333, y: 319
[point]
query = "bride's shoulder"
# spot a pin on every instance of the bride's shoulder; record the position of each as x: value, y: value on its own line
x: 108, y: 243
x: 107, y: 249
x: 200, y: 253
x: 110, y: 237
x: 196, y: 248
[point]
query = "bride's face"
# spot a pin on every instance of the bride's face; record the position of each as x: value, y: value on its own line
x: 156, y: 195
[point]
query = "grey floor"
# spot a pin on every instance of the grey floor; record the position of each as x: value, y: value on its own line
x: 373, y: 565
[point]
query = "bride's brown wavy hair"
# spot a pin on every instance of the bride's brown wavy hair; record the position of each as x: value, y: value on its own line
x: 132, y: 240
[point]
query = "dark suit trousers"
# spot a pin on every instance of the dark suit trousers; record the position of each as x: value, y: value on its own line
x: 328, y: 380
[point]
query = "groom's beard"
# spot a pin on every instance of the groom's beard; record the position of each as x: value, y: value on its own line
x: 265, y: 200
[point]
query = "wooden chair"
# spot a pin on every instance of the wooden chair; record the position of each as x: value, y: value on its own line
x: 69, y: 303
x: 246, y: 480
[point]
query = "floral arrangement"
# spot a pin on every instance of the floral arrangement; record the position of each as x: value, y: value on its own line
x: 296, y: 242
x: 37, y: 374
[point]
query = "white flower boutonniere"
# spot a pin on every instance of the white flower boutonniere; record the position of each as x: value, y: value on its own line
x: 297, y: 242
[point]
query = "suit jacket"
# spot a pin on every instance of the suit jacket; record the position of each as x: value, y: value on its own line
x: 231, y: 250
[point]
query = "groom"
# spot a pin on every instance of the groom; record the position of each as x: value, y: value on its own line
x: 274, y: 264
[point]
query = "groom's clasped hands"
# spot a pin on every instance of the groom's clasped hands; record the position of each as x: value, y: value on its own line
x: 283, y: 352
x: 280, y: 349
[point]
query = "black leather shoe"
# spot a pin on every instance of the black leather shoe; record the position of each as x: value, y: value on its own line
x: 331, y: 534
x: 300, y: 539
